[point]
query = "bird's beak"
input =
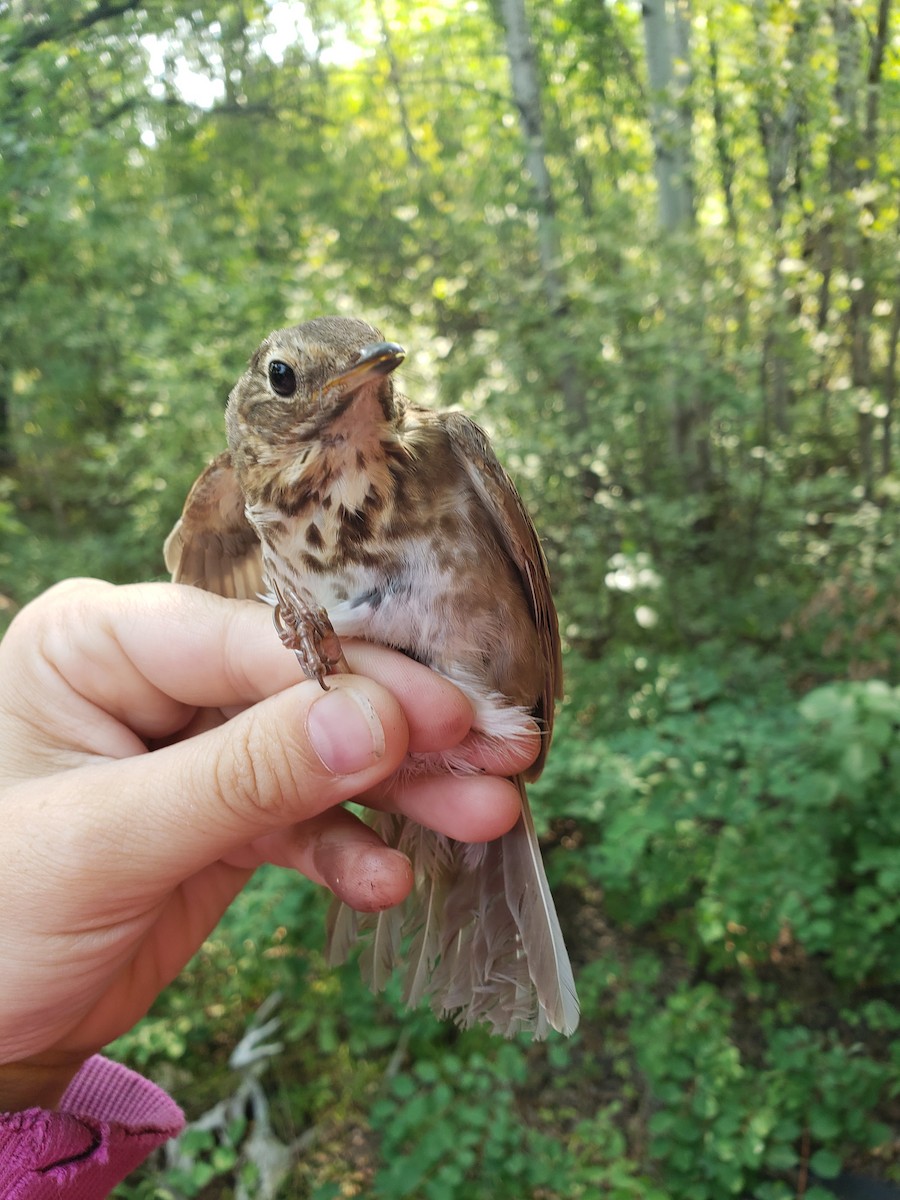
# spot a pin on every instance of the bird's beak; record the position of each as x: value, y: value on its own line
x: 379, y: 359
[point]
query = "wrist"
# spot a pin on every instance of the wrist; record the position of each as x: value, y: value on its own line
x: 37, y: 1082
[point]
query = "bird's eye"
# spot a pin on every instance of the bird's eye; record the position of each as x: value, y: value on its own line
x: 282, y: 378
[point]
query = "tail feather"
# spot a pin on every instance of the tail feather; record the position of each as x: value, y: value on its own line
x: 531, y: 903
x: 342, y: 932
x: 425, y: 947
x: 382, y: 952
x: 485, y: 943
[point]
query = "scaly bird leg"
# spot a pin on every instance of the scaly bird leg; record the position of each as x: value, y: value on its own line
x: 304, y: 627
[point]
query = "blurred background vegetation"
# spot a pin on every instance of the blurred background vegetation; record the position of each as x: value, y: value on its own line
x: 653, y: 248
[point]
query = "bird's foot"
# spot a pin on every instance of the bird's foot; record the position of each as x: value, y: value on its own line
x: 305, y: 628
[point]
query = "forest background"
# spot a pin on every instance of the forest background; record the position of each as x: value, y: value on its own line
x: 653, y: 248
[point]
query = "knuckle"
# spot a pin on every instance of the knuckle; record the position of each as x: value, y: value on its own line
x: 52, y: 615
x: 256, y: 777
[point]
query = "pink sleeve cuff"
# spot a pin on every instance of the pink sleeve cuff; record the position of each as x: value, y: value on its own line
x: 107, y: 1123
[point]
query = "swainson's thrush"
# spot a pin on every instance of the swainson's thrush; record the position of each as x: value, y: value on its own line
x: 361, y: 515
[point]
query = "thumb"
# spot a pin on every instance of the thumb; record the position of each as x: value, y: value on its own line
x: 166, y: 814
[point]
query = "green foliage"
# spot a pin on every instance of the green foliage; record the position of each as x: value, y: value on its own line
x: 752, y: 842
x: 442, y: 1121
x: 702, y: 423
x: 763, y: 823
x: 457, y: 1126
x: 210, y: 1159
x: 729, y: 1117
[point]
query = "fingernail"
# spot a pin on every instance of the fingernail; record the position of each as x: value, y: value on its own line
x: 344, y: 730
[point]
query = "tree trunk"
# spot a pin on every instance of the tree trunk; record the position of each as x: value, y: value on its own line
x: 854, y: 152
x: 7, y: 457
x: 667, y: 45
x: 665, y: 33
x: 889, y: 393
x: 527, y: 93
x: 781, y: 130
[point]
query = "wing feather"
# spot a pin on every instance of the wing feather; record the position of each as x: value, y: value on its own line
x: 213, y: 546
x: 519, y: 536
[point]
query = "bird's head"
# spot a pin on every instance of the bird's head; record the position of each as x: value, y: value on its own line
x: 302, y: 379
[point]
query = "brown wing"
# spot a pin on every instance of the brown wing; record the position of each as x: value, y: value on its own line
x: 213, y: 546
x: 497, y: 490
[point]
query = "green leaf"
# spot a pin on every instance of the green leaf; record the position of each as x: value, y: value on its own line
x: 824, y: 1125
x: 826, y: 1164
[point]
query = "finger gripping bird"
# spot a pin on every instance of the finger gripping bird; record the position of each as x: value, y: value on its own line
x: 359, y: 514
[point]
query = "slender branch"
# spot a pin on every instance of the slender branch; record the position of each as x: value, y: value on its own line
x: 36, y: 35
x: 889, y: 393
x: 397, y: 84
x: 873, y: 75
x: 727, y: 169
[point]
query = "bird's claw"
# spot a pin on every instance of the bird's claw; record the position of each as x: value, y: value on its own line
x: 305, y: 628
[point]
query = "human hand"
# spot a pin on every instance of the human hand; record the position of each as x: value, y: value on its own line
x: 155, y: 747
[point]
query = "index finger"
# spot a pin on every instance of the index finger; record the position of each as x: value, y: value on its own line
x: 149, y: 655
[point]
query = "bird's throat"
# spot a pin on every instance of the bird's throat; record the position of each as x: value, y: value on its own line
x: 328, y: 500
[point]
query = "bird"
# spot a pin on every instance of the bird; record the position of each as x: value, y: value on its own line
x: 359, y: 514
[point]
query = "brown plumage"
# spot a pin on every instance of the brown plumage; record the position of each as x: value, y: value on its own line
x: 402, y: 526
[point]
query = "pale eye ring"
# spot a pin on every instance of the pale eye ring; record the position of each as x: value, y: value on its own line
x: 282, y: 379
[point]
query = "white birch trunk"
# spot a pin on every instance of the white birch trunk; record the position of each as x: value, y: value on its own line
x: 665, y: 31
